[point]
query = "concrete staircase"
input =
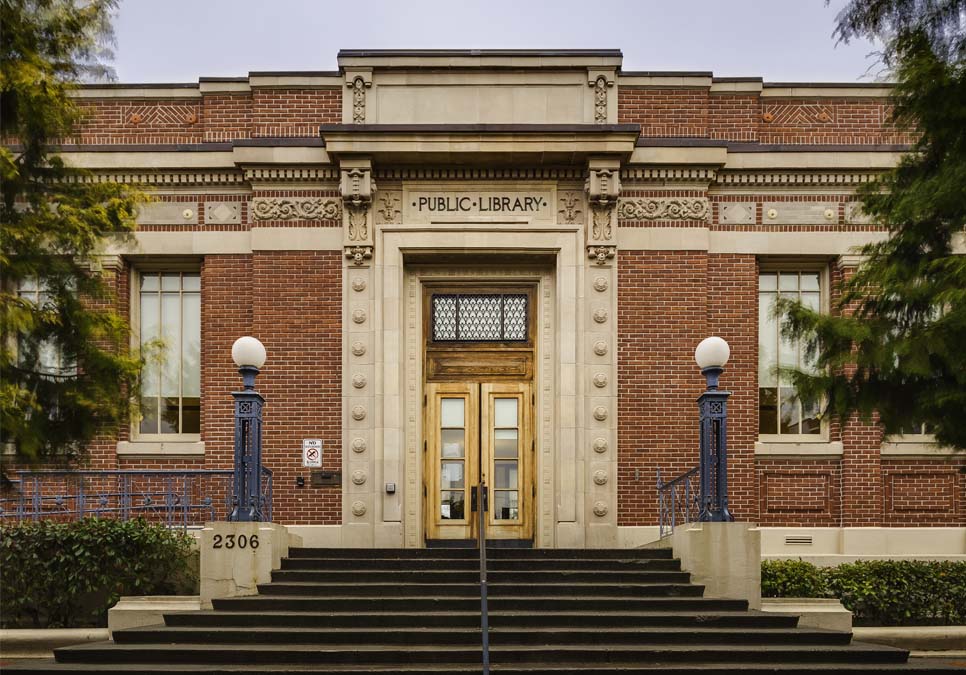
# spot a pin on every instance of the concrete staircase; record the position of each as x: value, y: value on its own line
x: 418, y: 611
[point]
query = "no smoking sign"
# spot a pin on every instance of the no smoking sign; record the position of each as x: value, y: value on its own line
x: 312, y: 452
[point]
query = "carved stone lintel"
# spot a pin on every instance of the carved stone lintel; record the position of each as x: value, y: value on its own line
x: 296, y: 208
x: 601, y: 254
x: 358, y: 254
x: 665, y: 208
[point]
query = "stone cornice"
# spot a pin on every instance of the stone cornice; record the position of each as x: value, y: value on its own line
x: 165, y: 178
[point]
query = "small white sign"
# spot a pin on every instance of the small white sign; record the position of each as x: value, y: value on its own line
x: 312, y: 452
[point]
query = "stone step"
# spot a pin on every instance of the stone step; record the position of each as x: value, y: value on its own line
x: 471, y: 619
x: 491, y: 553
x: 473, y: 576
x: 471, y: 603
x: 50, y: 667
x: 471, y: 636
x: 918, y: 667
x: 365, y: 654
x: 505, y: 565
x: 496, y: 590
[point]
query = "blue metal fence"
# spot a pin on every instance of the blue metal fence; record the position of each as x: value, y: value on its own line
x: 177, y: 498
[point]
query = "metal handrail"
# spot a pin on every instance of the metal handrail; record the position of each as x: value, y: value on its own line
x: 670, y: 502
x: 179, y: 497
x: 482, y: 509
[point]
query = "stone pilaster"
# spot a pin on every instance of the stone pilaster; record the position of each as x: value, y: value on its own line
x: 599, y: 381
x: 358, y: 401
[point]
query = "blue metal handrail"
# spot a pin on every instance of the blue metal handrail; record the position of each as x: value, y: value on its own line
x: 678, y: 501
x: 178, y: 498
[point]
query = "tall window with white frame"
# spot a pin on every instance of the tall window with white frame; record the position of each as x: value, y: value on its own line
x: 781, y: 413
x: 49, y: 360
x: 170, y: 335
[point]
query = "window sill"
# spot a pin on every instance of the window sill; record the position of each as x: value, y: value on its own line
x: 162, y: 448
x: 805, y: 450
x: 916, y: 448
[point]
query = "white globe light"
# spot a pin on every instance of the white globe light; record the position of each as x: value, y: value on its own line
x: 712, y: 352
x: 248, y: 351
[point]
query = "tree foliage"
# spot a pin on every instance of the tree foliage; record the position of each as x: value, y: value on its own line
x: 896, y: 343
x: 53, y: 221
x: 939, y: 22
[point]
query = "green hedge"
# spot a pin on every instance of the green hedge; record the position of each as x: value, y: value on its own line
x: 877, y: 592
x: 69, y: 574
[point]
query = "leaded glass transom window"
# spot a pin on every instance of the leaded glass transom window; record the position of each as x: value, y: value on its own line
x: 480, y: 317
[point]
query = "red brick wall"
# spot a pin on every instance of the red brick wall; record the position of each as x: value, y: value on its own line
x: 733, y: 315
x: 297, y: 314
x: 662, y: 315
x: 110, y: 121
x: 665, y: 112
x: 294, y: 112
x: 227, y: 117
x: 924, y: 493
x: 799, y: 492
x: 732, y: 116
x: 210, y: 118
x: 694, y: 112
x: 828, y: 120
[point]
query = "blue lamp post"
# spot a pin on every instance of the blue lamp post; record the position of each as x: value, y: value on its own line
x: 249, y: 355
x: 712, y: 355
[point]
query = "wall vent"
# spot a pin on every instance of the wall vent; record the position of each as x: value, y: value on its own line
x: 798, y: 540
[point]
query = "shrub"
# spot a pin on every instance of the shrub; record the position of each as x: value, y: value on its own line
x: 69, y: 574
x: 877, y: 592
x: 791, y: 579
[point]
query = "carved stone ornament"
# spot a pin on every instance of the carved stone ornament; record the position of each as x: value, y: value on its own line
x: 358, y: 284
x: 600, y: 348
x: 600, y: 413
x: 357, y: 190
x: 600, y: 380
x: 359, y: 477
x: 358, y: 86
x: 358, y: 254
x: 603, y: 189
x: 600, y: 477
x: 600, y: 445
x: 359, y: 316
x: 358, y: 508
x: 600, y: 100
x: 358, y: 413
x: 571, y: 208
x: 358, y: 349
x: 600, y: 284
x: 296, y: 208
x: 600, y: 509
x: 600, y: 315
x: 358, y: 445
x: 601, y: 254
x: 389, y: 208
x: 665, y: 208
x: 358, y: 380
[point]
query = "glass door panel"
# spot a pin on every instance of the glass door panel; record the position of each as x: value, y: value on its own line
x: 452, y: 459
x: 507, y: 456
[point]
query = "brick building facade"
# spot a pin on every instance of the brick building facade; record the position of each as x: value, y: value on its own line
x: 330, y: 214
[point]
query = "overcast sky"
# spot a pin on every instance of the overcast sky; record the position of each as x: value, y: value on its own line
x: 780, y: 40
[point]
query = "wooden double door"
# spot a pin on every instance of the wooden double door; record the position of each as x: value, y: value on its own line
x: 479, y: 432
